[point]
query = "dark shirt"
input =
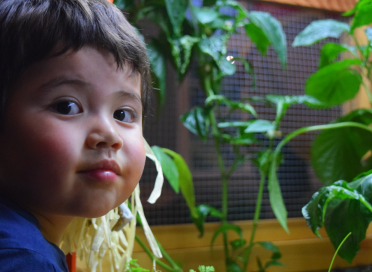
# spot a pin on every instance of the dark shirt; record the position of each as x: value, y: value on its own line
x: 22, y: 245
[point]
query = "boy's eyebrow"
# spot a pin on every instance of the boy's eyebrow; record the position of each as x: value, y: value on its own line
x: 74, y: 81
x: 130, y: 94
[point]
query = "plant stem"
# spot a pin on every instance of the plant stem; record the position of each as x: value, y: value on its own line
x: 334, y: 256
x: 224, y: 180
x: 314, y: 128
x: 256, y: 217
x: 151, y: 255
x: 168, y: 258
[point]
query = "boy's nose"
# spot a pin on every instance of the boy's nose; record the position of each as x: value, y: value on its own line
x: 104, y: 135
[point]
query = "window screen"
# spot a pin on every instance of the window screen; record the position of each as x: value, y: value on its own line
x: 297, y: 179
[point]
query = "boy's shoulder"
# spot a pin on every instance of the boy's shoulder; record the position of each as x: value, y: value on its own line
x: 22, y: 245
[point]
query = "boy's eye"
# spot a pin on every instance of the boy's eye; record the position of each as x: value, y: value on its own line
x: 124, y: 116
x: 67, y: 108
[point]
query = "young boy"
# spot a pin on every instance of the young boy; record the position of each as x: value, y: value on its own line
x: 74, y: 87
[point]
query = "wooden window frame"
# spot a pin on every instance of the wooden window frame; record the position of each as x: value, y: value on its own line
x: 332, y: 5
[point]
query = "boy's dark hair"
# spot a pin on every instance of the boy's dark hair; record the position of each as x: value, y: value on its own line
x: 32, y: 30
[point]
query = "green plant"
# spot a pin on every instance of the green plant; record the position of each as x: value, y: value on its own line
x: 190, y: 32
x: 343, y: 149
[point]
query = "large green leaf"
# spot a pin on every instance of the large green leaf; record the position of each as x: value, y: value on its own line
x: 344, y: 215
x: 330, y: 52
x: 313, y: 211
x: 342, y: 208
x: 273, y: 30
x: 227, y: 68
x: 176, y: 11
x: 337, y: 154
x: 181, y: 51
x: 185, y: 180
x: 214, y: 46
x: 196, y: 120
x: 335, y: 83
x: 360, y: 4
x: 362, y: 16
x: 158, y: 66
x: 205, y: 15
x: 169, y: 167
x: 260, y: 126
x: 319, y: 30
x: 258, y: 37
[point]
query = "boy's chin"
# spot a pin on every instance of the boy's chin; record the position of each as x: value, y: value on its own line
x: 96, y: 211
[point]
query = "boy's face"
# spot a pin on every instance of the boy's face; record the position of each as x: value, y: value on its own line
x: 72, y: 139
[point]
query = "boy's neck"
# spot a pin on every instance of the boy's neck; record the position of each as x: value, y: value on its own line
x: 52, y: 226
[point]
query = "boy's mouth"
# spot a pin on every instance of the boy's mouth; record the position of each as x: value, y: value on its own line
x: 103, y: 171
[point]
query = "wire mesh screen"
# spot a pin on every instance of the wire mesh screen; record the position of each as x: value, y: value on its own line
x: 297, y: 179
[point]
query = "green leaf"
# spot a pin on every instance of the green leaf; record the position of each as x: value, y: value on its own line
x: 214, y: 46
x: 362, y: 16
x: 273, y: 30
x: 205, y: 15
x: 344, y: 215
x: 295, y: 99
x: 224, y: 228
x: 232, y: 266
x: 176, y: 11
x: 358, y: 5
x: 275, y: 195
x: 234, y: 124
x: 202, y: 212
x: 270, y: 246
x: 313, y: 211
x: 258, y: 37
x: 319, y: 30
x: 260, y: 126
x: 283, y: 102
x: 196, y: 120
x: 330, y: 52
x: 185, y: 180
x: 337, y: 153
x: 344, y: 209
x: 238, y: 243
x: 335, y: 83
x: 226, y: 67
x: 181, y: 51
x: 158, y: 66
x: 169, y: 167
x: 232, y: 105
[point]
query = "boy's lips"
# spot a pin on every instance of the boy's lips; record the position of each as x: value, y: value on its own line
x: 103, y: 171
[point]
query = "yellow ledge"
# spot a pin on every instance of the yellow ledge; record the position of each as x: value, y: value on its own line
x: 301, y: 249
